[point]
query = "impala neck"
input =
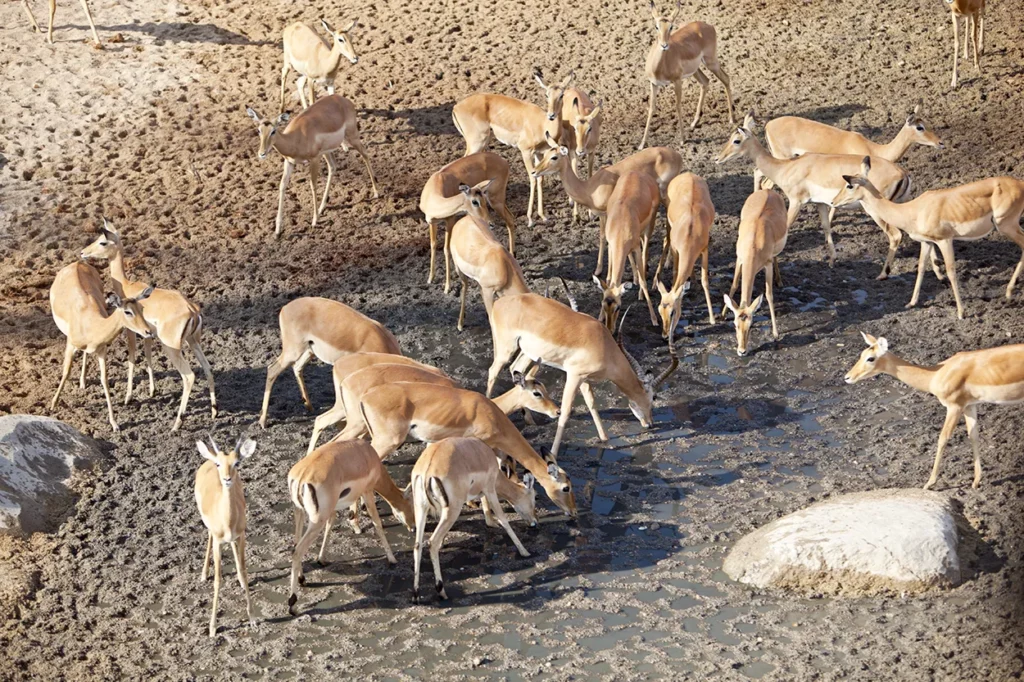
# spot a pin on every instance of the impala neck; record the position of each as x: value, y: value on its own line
x: 508, y: 490
x: 287, y: 144
x: 883, y: 210
x: 392, y: 494
x: 117, y: 268
x: 110, y: 326
x: 579, y: 190
x: 894, y: 150
x: 769, y: 166
x: 336, y: 56
x: 913, y: 375
x: 620, y: 372
x: 509, y: 402
x: 512, y: 443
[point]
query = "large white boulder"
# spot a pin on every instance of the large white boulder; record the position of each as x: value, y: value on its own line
x: 895, y: 539
x: 38, y: 455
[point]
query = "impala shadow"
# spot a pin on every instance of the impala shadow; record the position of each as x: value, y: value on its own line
x: 183, y: 32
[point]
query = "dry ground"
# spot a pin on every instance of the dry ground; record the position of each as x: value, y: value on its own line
x: 151, y: 132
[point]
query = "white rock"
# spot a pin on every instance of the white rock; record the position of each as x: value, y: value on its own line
x: 867, y: 542
x: 38, y: 455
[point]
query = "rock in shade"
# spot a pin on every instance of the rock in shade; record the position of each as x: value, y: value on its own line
x: 38, y: 455
x: 861, y: 543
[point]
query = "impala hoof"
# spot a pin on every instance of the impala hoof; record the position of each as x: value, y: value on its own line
x: 302, y: 581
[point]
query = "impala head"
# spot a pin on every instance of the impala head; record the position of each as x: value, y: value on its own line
x: 557, y: 485
x: 475, y: 199
x: 919, y: 133
x: 131, y: 312
x: 868, y: 364
x: 227, y: 463
x: 267, y: 129
x: 744, y: 320
x: 554, y: 93
x: 671, y: 303
x: 664, y: 24
x: 738, y: 144
x: 611, y: 301
x: 551, y: 160
x: 342, y: 42
x: 857, y: 186
x: 644, y: 411
x: 533, y: 396
x: 105, y: 246
x: 526, y: 504
x: 586, y: 129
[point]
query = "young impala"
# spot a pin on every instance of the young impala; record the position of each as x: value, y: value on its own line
x: 221, y: 503
x: 632, y: 210
x: 815, y: 179
x: 581, y: 130
x: 447, y: 475
x: 678, y: 54
x: 174, y: 319
x: 762, y: 237
x: 940, y: 216
x: 442, y: 198
x: 429, y: 413
x: 80, y: 310
x: 961, y: 383
x: 53, y: 11
x: 550, y: 333
x: 309, y: 55
x: 327, y: 329
x: 690, y: 215
x: 338, y: 474
x: 318, y: 131
x: 973, y: 13
x: 515, y: 123
x: 660, y: 163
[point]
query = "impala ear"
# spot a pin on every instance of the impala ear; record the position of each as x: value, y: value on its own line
x: 145, y: 294
x: 519, y: 379
x: 749, y: 120
x: 550, y: 459
x: 536, y: 77
x: 849, y: 179
x: 464, y: 189
x: 351, y: 25
x: 253, y: 115
x: 327, y: 27
x: 576, y: 103
x: 113, y: 300
x: 482, y: 186
x: 662, y: 289
x: 865, y: 166
x: 881, y: 345
x: 686, y: 286
x: 204, y: 450
x: 756, y: 304
x: 246, y: 449
x: 563, y: 150
x: 108, y: 230
x: 528, y: 481
x: 626, y: 286
x: 868, y: 339
x: 729, y: 304
x: 284, y: 118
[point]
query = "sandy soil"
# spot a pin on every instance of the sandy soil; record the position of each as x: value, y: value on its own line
x: 151, y: 132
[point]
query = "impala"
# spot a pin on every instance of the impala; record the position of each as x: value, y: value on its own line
x: 581, y: 129
x: 678, y: 54
x: 442, y: 198
x: 961, y: 383
x: 447, y: 475
x: 327, y: 329
x: 319, y: 130
x: 476, y: 254
x: 815, y: 179
x: 515, y: 123
x: 973, y: 12
x: 661, y: 163
x: 938, y: 217
x: 762, y: 237
x: 309, y: 55
x: 632, y: 210
x: 174, y: 319
x: 333, y: 475
x: 690, y: 215
x: 429, y: 413
x: 53, y: 11
x: 221, y: 503
x: 550, y: 333
x: 80, y: 311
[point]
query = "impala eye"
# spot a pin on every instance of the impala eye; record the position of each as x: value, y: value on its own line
x: 565, y: 489
x: 536, y: 394
x: 871, y: 359
x: 920, y: 129
x: 736, y: 141
x: 849, y: 186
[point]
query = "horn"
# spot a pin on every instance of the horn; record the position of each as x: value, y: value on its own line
x: 672, y: 367
x: 629, y: 358
x: 568, y: 295
x: 238, y: 443
x: 209, y: 436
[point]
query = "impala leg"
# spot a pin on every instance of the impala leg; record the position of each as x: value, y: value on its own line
x: 824, y: 213
x: 953, y: 413
x: 312, y: 91
x: 642, y: 274
x: 510, y: 225
x: 503, y: 350
x: 974, y: 42
x: 778, y: 271
x: 88, y: 15
x: 432, y: 227
x: 49, y: 31
x: 935, y: 266
x: 895, y: 236
x: 967, y: 34
x: 69, y: 356
x: 298, y: 516
x: 31, y: 18
x: 361, y: 151
x: 650, y: 114
x: 314, y: 175
x: 1009, y: 225
x: 193, y: 343
x: 371, y: 511
x: 81, y: 378
x: 101, y: 357
x: 462, y: 298
x: 297, y: 368
x: 528, y: 164
x: 541, y: 215
x: 703, y: 80
x: 946, y: 246
x: 330, y: 176
x: 973, y: 432
x: 600, y: 244
x: 273, y: 371
x: 956, y: 45
x: 130, y: 361
x: 216, y: 587
x: 447, y: 260
x: 735, y: 280
x: 147, y: 350
x: 300, y: 84
x: 664, y: 252
x: 206, y: 560
x: 188, y: 378
x: 448, y: 518
x: 300, y: 550
x: 769, y: 293
x: 353, y: 518
x: 417, y: 550
x: 705, y: 276
x: 572, y: 384
x: 284, y: 76
x: 588, y: 398
x: 499, y: 514
x: 716, y: 68
x: 921, y: 260
x: 320, y: 558
x: 328, y: 418
x: 238, y: 549
x: 677, y: 87
x: 289, y: 167
x: 981, y: 33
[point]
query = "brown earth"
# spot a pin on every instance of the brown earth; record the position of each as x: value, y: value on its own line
x: 152, y: 133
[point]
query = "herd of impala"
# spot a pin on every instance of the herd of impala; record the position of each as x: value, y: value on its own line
x: 385, y: 398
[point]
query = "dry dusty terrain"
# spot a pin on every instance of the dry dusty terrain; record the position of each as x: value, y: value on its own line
x: 152, y: 132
